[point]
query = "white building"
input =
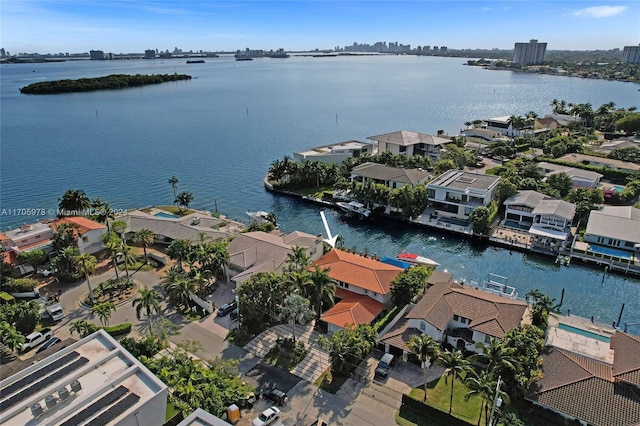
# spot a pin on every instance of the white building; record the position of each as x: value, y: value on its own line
x: 579, y: 177
x: 202, y: 418
x: 529, y: 53
x: 88, y: 232
x: 335, y: 153
x: 93, y: 381
x: 456, y: 193
x: 391, y: 177
x: 631, y: 54
x: 616, y: 227
x: 410, y: 144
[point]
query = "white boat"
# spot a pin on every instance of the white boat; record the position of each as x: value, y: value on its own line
x: 259, y: 216
x: 415, y: 259
x: 354, y: 208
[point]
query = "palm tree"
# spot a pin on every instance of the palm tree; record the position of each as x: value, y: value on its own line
x: 298, y: 259
x: 184, y: 199
x: 144, y: 238
x: 103, y: 311
x: 321, y: 289
x: 298, y: 281
x: 128, y: 258
x: 496, y: 357
x: 173, y: 181
x: 296, y: 309
x: 427, y: 349
x: 86, y: 264
x: 111, y: 243
x: 73, y: 203
x: 179, y: 250
x: 179, y: 291
x: 456, y: 366
x: 101, y: 211
x: 119, y: 227
x: 149, y: 301
x: 10, y: 337
x: 82, y: 327
x: 484, y: 385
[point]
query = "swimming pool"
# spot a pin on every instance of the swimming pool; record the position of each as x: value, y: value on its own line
x: 618, y: 188
x: 585, y: 333
x: 610, y: 251
x: 515, y: 225
x: 454, y: 221
x: 165, y: 215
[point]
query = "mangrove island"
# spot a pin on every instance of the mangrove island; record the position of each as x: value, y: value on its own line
x: 113, y: 81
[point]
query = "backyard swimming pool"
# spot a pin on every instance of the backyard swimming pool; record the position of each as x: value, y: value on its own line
x: 585, y: 333
x: 515, y: 225
x: 165, y: 215
x: 610, y: 251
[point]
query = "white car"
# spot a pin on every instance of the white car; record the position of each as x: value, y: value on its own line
x: 267, y: 417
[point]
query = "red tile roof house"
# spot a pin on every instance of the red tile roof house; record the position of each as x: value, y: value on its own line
x: 590, y: 391
x: 363, y: 287
x: 88, y: 232
x: 462, y: 316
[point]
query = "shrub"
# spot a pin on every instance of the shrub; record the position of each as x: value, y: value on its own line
x: 118, y: 330
x: 20, y: 285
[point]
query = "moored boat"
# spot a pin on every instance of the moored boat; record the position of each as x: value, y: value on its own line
x: 415, y: 259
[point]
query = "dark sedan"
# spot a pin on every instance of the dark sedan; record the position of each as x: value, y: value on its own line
x: 226, y: 309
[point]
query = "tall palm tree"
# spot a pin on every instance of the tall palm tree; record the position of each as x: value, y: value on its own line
x: 484, y: 385
x: 111, y: 243
x: 184, y: 199
x: 149, y: 301
x: 296, y: 309
x: 128, y: 258
x: 179, y: 291
x: 456, y: 366
x: 321, y: 289
x: 73, y: 203
x: 298, y: 281
x: 496, y: 357
x: 10, y: 337
x: 101, y: 212
x: 82, y: 327
x: 86, y: 264
x: 103, y: 311
x: 427, y: 349
x: 144, y: 238
x: 173, y: 181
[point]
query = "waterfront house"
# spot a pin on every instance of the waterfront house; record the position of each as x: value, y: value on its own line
x: 409, y: 143
x: 168, y: 227
x: 590, y: 391
x: 253, y: 252
x: 391, y: 177
x: 500, y: 124
x: 579, y: 177
x: 25, y: 238
x: 547, y: 219
x: 335, y: 153
x: 459, y: 315
x: 87, y: 231
x: 614, y: 230
x: 455, y: 193
x: 556, y: 121
x: 488, y: 135
x: 363, y: 288
x: 592, y: 160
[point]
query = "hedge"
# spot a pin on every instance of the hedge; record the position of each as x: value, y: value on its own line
x: 118, y: 330
x: 19, y: 285
x: 431, y: 412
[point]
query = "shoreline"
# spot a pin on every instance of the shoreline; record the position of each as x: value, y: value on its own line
x: 593, y: 263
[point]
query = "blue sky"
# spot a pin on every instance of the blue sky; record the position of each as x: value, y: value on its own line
x: 51, y: 26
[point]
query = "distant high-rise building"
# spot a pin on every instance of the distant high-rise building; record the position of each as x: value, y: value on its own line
x: 630, y: 54
x: 149, y: 54
x: 529, y: 53
x: 2, y: 53
x: 443, y: 49
x: 96, y: 55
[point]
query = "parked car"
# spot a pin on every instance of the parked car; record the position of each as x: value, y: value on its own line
x: 267, y: 417
x: 384, y: 365
x: 226, y: 309
x: 48, y: 344
x: 36, y: 338
x: 234, y: 314
x: 276, y: 395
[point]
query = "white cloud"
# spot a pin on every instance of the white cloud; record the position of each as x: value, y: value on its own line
x: 599, y: 11
x: 486, y: 9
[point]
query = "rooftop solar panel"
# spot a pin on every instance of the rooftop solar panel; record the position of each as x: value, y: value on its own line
x: 36, y: 375
x: 96, y: 407
x: 114, y: 411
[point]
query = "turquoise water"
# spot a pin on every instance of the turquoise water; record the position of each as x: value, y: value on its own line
x: 619, y: 188
x: 166, y: 215
x: 219, y: 132
x: 584, y: 332
x: 611, y: 251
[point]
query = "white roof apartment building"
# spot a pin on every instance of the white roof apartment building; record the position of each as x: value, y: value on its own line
x: 94, y: 381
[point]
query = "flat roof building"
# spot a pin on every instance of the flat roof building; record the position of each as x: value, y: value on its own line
x: 631, y: 54
x: 529, y: 53
x: 94, y: 381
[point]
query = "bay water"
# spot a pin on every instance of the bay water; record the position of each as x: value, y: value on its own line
x: 219, y: 132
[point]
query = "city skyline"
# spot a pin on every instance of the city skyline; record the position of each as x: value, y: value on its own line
x: 133, y: 26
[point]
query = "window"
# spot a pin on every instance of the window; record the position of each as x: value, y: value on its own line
x: 403, y: 149
x: 85, y: 239
x: 423, y: 326
x: 487, y: 339
x: 456, y: 318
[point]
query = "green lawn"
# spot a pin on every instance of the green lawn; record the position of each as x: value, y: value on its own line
x: 438, y: 394
x: 175, y: 210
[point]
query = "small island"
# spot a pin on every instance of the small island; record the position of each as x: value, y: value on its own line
x: 113, y: 81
